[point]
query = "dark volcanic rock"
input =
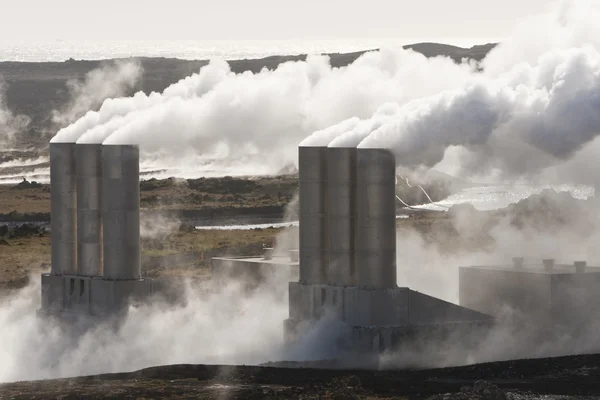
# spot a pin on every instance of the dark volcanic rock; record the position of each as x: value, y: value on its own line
x: 25, y: 184
x: 481, y: 390
x: 225, y: 185
x: 19, y: 231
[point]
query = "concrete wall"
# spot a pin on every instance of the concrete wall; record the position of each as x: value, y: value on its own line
x: 89, y: 209
x: 575, y: 298
x: 376, y: 219
x: 425, y: 309
x: 341, y: 192
x: 313, y: 233
x: 420, y: 339
x: 374, y: 307
x: 121, y: 211
x: 63, y: 203
x: 91, y: 296
x: 499, y: 292
x: 563, y: 297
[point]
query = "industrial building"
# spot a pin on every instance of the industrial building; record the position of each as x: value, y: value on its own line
x: 95, y: 231
x: 347, y: 255
x: 545, y: 294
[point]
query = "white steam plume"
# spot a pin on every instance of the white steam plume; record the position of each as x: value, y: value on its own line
x: 240, y: 118
x: 521, y: 122
x: 257, y: 120
x: 352, y: 137
x: 105, y: 82
x: 325, y: 136
x: 10, y: 124
x: 568, y: 24
x: 205, y: 329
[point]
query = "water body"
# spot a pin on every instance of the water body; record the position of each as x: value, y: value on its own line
x: 494, y: 197
x: 61, y: 50
x: 248, y: 227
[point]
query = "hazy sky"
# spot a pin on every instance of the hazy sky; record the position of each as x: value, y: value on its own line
x: 261, y: 19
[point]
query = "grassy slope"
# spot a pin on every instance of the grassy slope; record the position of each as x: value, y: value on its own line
x: 206, y: 196
x: 181, y: 253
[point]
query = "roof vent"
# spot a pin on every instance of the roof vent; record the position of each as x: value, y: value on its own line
x: 580, y: 266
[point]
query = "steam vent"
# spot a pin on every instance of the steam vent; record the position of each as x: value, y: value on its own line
x: 348, y: 256
x: 95, y: 228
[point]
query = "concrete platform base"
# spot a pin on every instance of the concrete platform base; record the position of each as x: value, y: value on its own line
x: 73, y: 296
x: 550, y: 296
x: 379, y: 320
x: 368, y: 340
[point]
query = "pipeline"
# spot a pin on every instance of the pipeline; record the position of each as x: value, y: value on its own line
x: 423, y: 190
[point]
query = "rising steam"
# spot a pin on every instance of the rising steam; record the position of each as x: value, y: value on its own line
x: 10, y: 124
x: 108, y: 81
x: 518, y: 111
x: 540, y: 114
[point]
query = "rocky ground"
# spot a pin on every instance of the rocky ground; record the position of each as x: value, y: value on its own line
x: 205, y: 200
x: 575, y: 377
x: 171, y: 208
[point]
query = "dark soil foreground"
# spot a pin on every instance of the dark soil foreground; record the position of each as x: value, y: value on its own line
x: 565, y: 377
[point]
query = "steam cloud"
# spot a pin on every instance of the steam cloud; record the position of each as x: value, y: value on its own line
x: 108, y: 81
x: 10, y: 124
x: 533, y: 105
x: 508, y: 119
x: 206, y: 329
x: 257, y: 120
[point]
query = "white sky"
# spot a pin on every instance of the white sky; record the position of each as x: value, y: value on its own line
x: 479, y: 20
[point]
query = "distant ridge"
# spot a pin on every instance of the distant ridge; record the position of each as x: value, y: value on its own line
x: 477, y: 53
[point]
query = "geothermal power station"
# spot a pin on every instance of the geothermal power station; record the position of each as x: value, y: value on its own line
x: 348, y: 254
x: 344, y: 270
x: 95, y: 231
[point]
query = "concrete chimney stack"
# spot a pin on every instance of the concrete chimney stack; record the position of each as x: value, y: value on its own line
x: 63, y: 200
x: 341, y: 193
x: 376, y: 218
x: 548, y: 264
x: 121, y: 211
x: 580, y: 266
x: 313, y: 236
x: 89, y: 209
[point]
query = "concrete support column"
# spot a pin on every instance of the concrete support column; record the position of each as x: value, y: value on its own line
x: 341, y: 191
x: 312, y: 162
x: 63, y: 204
x: 89, y: 209
x: 376, y: 218
x: 121, y: 211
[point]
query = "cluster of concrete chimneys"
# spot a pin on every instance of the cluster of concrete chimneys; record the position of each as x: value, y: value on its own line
x: 95, y: 201
x: 347, y: 217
